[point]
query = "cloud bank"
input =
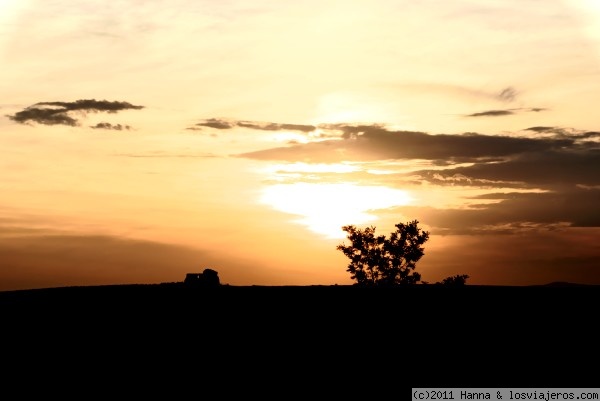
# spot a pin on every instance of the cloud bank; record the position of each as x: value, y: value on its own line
x: 551, y: 173
x: 374, y: 142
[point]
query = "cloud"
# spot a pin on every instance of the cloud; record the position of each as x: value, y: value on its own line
x: 515, y: 212
x: 544, y: 129
x: 558, y: 132
x: 57, y: 113
x: 491, y: 113
x: 551, y: 168
x: 215, y: 123
x: 506, y: 112
x: 43, y: 116
x: 452, y: 178
x: 92, y: 105
x: 375, y: 142
x: 454, y: 91
x: 276, y: 127
x: 507, y: 94
x: 268, y: 126
x: 117, y: 127
x: 560, y: 174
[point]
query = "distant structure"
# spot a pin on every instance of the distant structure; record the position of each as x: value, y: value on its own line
x: 208, y: 278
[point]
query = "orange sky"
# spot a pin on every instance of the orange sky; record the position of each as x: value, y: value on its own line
x: 144, y: 140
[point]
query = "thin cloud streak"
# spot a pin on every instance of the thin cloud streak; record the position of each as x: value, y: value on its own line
x: 491, y: 113
x: 501, y: 113
x: 268, y: 126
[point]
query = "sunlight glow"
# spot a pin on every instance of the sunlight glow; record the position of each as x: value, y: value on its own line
x: 5, y: 4
x: 350, y: 107
x: 317, y: 135
x: 325, y: 208
x: 290, y: 136
x: 10, y: 9
x: 589, y: 12
x: 311, y: 168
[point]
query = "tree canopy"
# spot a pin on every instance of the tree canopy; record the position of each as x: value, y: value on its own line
x: 382, y: 261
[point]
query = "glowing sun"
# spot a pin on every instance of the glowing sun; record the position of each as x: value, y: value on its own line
x: 325, y: 208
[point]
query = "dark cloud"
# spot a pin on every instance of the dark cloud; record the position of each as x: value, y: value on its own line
x: 574, y: 207
x: 589, y: 134
x: 373, y: 142
x: 92, y: 105
x: 491, y: 113
x: 43, y: 116
x: 559, y: 132
x: 117, y: 127
x: 542, y: 129
x: 56, y: 113
x: 226, y: 124
x: 549, y: 169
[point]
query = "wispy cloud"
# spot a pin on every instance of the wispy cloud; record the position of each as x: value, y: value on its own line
x: 543, y: 129
x: 57, y: 113
x: 507, y: 94
x: 263, y: 126
x: 491, y: 113
x: 559, y: 132
x: 214, y: 123
x: 505, y: 112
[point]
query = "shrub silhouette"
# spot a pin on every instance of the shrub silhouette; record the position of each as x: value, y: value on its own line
x: 455, y: 281
x: 381, y: 261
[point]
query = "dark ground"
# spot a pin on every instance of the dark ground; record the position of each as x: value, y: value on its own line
x: 421, y: 335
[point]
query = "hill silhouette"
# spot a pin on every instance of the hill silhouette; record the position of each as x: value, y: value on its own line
x: 348, y: 300
x: 421, y: 335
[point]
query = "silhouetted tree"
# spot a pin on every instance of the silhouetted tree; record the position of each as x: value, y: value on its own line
x: 381, y: 261
x: 455, y: 281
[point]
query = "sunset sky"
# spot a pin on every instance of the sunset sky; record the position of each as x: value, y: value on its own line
x: 141, y: 140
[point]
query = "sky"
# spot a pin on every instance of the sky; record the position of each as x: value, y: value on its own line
x: 142, y: 140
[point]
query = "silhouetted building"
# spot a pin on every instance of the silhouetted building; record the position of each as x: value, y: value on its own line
x: 208, y: 278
